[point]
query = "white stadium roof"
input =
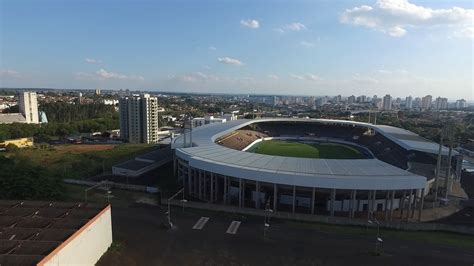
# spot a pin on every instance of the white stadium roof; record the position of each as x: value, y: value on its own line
x: 323, y: 173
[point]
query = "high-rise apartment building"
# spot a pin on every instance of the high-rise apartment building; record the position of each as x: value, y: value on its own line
x: 139, y: 118
x: 409, y: 102
x: 426, y: 102
x: 441, y: 103
x: 460, y: 104
x: 351, y: 99
x: 28, y: 105
x: 387, y: 102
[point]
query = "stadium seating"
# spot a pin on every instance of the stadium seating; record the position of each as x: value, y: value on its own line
x: 383, y: 148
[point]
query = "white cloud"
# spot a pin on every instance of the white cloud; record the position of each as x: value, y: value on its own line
x: 103, y: 74
x: 92, y: 61
x: 394, y: 17
x: 197, y: 77
x: 384, y: 71
x: 273, y: 76
x: 307, y: 77
x: 295, y: 26
x: 229, y: 61
x: 212, y: 48
x: 307, y: 44
x: 360, y: 79
x: 465, y: 33
x: 250, y: 23
x: 8, y: 73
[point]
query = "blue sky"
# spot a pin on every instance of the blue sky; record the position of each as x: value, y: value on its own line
x: 275, y: 47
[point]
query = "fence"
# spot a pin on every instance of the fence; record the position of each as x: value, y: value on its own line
x: 139, y: 188
x: 397, y: 225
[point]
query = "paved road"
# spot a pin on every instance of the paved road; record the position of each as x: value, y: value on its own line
x: 145, y: 242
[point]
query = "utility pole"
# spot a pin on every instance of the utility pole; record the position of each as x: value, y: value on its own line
x: 438, y: 164
x: 448, y: 171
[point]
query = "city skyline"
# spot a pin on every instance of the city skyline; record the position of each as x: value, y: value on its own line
x: 357, y: 48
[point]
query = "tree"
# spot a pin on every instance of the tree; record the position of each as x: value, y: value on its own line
x: 20, y: 179
x: 11, y: 148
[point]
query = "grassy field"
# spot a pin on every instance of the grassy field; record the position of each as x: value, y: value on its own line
x: 302, y: 150
x: 81, y: 161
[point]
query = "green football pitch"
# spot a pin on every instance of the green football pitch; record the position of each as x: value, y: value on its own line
x: 303, y: 150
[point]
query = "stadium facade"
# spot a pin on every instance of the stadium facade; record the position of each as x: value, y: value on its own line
x: 215, y: 167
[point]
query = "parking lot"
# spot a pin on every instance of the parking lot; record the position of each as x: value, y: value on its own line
x: 208, y: 238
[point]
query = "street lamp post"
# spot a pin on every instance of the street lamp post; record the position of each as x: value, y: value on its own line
x: 266, y: 221
x: 378, y: 238
x: 183, y: 201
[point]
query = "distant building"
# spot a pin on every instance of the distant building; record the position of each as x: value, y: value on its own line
x: 460, y: 104
x: 351, y: 99
x: 139, y: 118
x: 378, y: 103
x: 28, y: 106
x: 409, y: 102
x: 387, y: 102
x: 97, y: 91
x: 441, y: 103
x: 362, y: 99
x: 20, y: 143
x: 265, y: 99
x: 426, y: 102
x: 322, y: 101
x: 42, y: 117
x: 110, y: 102
x: 201, y: 121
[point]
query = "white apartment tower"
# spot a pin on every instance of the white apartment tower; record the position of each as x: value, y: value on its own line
x: 28, y: 104
x: 441, y: 103
x: 426, y: 102
x: 139, y: 118
x: 387, y: 102
x: 409, y: 102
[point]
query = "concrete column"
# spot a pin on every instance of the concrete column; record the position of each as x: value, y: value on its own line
x: 356, y: 204
x: 333, y: 198
x: 240, y: 192
x: 257, y: 199
x: 216, y: 187
x: 386, y: 205
x: 313, y: 196
x: 243, y: 192
x: 294, y: 199
x: 204, y: 185
x: 225, y: 190
x: 353, y: 206
x: 416, y: 201
x: 200, y: 183
x: 402, y: 203
x: 391, y: 204
x: 374, y: 204
x: 410, y: 199
x: 422, y: 200
x: 190, y: 183
x: 211, y: 197
x: 275, y: 197
x: 369, y: 197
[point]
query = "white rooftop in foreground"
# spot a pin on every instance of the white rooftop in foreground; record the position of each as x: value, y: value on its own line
x: 322, y: 173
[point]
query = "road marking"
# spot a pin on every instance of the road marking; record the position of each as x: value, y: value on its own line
x: 233, y: 227
x: 200, y: 223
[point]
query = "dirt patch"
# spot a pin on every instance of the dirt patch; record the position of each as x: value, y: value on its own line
x: 83, y: 148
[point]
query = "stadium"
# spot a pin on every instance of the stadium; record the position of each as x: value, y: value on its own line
x: 313, y: 166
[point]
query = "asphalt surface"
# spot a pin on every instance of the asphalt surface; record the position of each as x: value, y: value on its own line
x: 141, y: 239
